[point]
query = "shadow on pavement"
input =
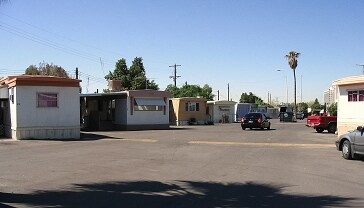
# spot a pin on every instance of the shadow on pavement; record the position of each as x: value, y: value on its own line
x: 175, y: 194
x: 256, y: 129
x: 83, y: 137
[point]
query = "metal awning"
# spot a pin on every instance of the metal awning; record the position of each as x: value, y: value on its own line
x: 149, y: 102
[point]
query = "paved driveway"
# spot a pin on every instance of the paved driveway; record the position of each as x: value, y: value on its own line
x: 194, y: 166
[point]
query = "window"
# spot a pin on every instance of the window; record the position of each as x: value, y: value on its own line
x: 148, y: 108
x: 191, y: 106
x: 361, y: 95
x: 47, y: 100
x: 354, y: 96
x: 141, y: 104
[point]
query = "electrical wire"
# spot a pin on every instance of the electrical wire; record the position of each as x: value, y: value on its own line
x: 35, y: 38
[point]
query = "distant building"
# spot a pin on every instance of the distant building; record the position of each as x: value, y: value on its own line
x: 330, y: 95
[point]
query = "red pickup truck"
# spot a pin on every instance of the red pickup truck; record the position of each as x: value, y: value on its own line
x: 321, y: 123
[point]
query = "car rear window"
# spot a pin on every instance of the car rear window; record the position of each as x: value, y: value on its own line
x: 252, y: 115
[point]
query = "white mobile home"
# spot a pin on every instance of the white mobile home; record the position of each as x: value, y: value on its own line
x: 126, y: 110
x: 221, y: 111
x: 350, y: 102
x: 40, y: 107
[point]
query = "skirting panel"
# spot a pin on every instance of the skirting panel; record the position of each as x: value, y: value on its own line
x: 46, y: 133
x: 342, y: 127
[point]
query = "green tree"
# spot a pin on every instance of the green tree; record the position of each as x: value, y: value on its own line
x: 332, y: 109
x: 315, y: 105
x: 173, y: 90
x: 303, y: 107
x: 191, y: 91
x: 249, y: 98
x: 132, y: 78
x: 32, y: 70
x: 46, y: 69
x: 292, y: 62
x: 252, y: 98
x: 206, y: 92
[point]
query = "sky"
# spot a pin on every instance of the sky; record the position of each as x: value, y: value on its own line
x: 240, y: 43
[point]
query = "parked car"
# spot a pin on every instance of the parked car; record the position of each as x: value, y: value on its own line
x: 300, y: 115
x: 351, y: 143
x: 255, y: 120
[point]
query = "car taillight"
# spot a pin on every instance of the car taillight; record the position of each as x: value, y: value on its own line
x: 242, y: 120
x: 259, y: 120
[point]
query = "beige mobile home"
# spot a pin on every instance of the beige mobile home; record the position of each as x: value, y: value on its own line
x: 188, y: 110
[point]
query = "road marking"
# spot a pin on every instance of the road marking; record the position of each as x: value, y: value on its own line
x: 140, y: 140
x: 265, y: 144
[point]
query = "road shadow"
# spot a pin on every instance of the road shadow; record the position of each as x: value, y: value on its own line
x: 83, y: 137
x: 154, y: 194
x: 271, y: 129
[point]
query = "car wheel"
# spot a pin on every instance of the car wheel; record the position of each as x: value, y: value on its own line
x: 346, y: 150
x: 319, y: 130
x: 331, y: 128
x: 243, y: 128
x: 251, y: 128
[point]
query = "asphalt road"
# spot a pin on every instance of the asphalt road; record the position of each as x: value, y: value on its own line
x: 192, y: 166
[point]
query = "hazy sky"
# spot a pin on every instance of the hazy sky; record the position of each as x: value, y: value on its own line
x: 216, y: 42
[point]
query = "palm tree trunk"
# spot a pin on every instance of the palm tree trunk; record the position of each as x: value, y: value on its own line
x: 295, y: 100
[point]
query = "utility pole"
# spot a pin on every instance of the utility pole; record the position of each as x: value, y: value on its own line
x: 228, y: 92
x: 301, y: 88
x: 174, y: 77
x: 76, y: 72
x: 218, y: 95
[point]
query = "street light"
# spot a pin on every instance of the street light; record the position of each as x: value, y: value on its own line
x: 280, y: 70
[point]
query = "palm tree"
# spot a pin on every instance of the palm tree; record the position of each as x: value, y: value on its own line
x: 292, y: 62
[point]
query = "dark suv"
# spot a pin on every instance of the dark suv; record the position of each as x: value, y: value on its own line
x: 255, y: 120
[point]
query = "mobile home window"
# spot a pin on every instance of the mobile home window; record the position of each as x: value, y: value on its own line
x: 354, y: 96
x: 191, y: 106
x: 361, y: 95
x: 141, y: 104
x: 47, y: 100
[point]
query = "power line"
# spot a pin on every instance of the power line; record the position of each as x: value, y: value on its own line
x: 24, y: 34
x: 56, y: 34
